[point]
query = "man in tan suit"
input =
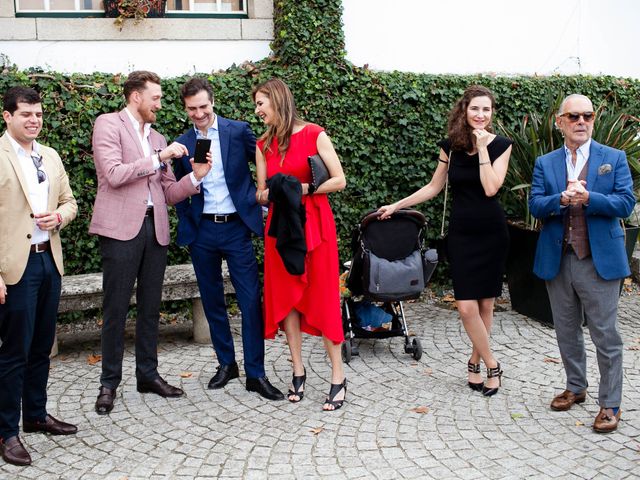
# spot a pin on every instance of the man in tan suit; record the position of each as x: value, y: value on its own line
x: 36, y: 202
x: 130, y: 216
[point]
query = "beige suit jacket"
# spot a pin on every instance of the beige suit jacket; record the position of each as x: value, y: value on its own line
x: 125, y: 178
x: 16, y: 214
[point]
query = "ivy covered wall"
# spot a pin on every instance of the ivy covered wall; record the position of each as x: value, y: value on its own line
x: 384, y: 125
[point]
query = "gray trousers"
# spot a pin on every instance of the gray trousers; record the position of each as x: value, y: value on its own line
x: 123, y: 262
x: 579, y: 286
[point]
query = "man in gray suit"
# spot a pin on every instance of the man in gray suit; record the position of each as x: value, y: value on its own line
x: 581, y: 191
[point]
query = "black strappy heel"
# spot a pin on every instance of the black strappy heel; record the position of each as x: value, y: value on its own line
x: 474, y: 368
x: 333, y: 391
x: 492, y: 373
x: 297, y: 382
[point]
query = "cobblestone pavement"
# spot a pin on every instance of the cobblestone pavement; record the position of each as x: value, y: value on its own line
x: 232, y: 433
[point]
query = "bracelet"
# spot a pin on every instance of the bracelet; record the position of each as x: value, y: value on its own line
x: 483, y: 163
x: 311, y: 189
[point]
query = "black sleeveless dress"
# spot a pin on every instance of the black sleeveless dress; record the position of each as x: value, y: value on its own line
x: 478, y: 238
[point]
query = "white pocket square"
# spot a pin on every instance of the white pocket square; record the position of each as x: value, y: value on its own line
x: 604, y: 168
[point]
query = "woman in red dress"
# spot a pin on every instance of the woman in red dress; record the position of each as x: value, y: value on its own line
x: 309, y: 302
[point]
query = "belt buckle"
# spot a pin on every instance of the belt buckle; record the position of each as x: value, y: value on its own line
x: 37, y: 249
x: 219, y: 218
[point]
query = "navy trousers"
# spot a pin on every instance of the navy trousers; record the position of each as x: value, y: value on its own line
x: 231, y: 241
x: 27, y: 330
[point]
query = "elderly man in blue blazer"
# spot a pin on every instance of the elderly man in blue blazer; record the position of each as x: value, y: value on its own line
x: 580, y: 192
x: 218, y: 223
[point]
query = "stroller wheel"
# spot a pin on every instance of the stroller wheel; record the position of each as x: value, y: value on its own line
x: 346, y: 351
x: 417, y: 348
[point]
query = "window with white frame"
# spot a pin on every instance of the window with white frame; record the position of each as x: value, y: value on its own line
x: 173, y: 6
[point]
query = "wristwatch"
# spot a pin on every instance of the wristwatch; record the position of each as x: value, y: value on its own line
x: 311, y: 189
x: 163, y: 165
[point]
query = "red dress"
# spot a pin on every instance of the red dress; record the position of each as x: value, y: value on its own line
x: 315, y: 293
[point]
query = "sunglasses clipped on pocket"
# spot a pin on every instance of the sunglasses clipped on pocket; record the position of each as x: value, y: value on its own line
x: 573, y: 117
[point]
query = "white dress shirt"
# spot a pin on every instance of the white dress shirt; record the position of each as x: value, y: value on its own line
x: 38, y: 192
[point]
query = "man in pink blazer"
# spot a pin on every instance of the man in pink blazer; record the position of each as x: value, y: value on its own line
x: 135, y: 184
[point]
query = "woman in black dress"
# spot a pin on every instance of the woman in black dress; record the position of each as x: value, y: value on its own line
x: 476, y: 161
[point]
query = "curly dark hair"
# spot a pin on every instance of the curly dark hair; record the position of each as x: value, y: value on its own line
x: 459, y: 131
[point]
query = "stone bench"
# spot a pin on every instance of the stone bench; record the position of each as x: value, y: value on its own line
x: 84, y: 292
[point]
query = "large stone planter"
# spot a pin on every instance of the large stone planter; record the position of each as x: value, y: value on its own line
x: 528, y: 293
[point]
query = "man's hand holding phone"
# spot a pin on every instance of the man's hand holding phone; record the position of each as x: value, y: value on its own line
x: 200, y: 170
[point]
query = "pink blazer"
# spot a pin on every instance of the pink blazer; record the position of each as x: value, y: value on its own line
x: 125, y: 177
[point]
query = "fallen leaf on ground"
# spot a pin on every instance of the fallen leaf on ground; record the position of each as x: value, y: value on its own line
x: 502, y: 301
x: 636, y: 340
x: 634, y: 347
x: 579, y: 423
x: 99, y: 322
x: 448, y: 298
x: 316, y: 430
x: 414, y: 364
x: 552, y: 360
x: 628, y: 281
x: 428, y: 371
x: 93, y: 359
x: 516, y: 416
x: 186, y: 374
x: 421, y: 409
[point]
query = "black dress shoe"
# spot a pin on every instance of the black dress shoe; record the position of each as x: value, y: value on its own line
x: 223, y: 375
x: 49, y: 425
x: 104, y: 403
x: 160, y: 387
x: 264, y: 388
x: 13, y: 452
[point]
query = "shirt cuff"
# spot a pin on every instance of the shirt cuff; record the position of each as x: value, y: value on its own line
x: 156, y: 162
x: 194, y: 181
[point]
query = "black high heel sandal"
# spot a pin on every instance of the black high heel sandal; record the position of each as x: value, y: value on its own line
x: 297, y: 382
x: 474, y: 368
x: 333, y: 391
x: 493, y: 373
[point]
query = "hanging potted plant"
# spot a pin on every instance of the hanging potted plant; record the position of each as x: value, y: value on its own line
x: 136, y: 9
x: 534, y: 136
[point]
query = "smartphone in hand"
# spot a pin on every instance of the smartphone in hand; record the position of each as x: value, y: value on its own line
x: 202, y: 148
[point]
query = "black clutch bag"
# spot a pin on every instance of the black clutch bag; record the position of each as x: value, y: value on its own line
x: 319, y: 172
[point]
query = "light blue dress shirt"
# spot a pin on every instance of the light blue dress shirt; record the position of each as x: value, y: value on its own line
x: 217, y: 199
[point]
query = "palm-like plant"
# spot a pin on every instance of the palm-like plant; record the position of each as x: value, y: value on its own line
x: 537, y: 134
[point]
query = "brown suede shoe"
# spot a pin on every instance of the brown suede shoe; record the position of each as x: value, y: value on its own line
x: 606, y: 421
x: 566, y: 399
x: 14, y: 452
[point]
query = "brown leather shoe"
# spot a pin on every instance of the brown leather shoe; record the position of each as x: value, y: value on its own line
x: 606, y: 421
x: 49, y: 425
x: 566, y: 399
x: 104, y: 403
x: 14, y: 452
x: 159, y: 387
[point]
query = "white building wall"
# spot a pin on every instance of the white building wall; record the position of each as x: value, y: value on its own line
x: 495, y: 36
x: 432, y: 36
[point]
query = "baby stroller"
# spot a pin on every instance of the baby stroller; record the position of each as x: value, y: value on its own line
x: 389, y: 265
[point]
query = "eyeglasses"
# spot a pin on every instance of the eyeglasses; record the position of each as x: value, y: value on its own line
x: 37, y: 162
x: 573, y: 117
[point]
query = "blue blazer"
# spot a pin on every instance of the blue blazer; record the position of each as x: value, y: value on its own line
x: 238, y: 147
x: 610, y: 198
